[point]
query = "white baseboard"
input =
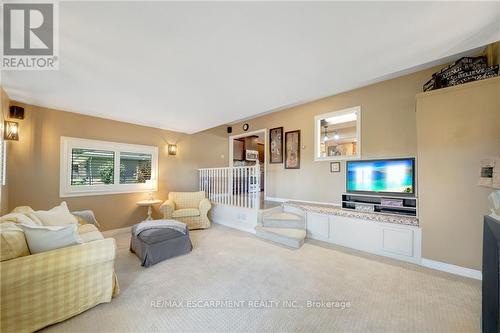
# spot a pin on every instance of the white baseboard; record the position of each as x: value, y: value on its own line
x: 275, y: 199
x: 440, y: 266
x: 113, y: 232
x: 232, y: 225
x: 437, y: 265
x: 453, y: 269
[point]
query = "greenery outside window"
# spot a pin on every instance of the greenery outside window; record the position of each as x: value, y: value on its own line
x: 135, y: 168
x: 91, y: 167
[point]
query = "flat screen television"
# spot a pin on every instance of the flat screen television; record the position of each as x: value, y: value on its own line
x: 389, y: 176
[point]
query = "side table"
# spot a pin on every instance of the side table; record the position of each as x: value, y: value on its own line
x: 149, y: 204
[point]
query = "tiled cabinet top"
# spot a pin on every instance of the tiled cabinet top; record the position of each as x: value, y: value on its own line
x: 337, y: 210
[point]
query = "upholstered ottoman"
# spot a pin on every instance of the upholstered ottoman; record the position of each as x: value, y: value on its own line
x: 155, y: 245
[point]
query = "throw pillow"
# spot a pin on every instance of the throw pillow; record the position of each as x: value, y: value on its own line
x: 57, y: 216
x: 17, y: 218
x: 29, y: 212
x: 12, y: 241
x: 46, y: 238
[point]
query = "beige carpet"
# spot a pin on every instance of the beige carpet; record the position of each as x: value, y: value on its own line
x: 384, y: 295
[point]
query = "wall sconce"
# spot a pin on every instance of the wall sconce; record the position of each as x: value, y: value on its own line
x: 172, y: 149
x: 11, y: 130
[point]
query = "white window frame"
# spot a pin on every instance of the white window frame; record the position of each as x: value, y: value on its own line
x: 3, y: 157
x: 68, y: 190
x: 3, y: 162
x: 317, y: 134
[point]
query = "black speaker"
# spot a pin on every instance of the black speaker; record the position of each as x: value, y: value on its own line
x: 16, y: 112
x: 229, y: 130
x: 491, y: 276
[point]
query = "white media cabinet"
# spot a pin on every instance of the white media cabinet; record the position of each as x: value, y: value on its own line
x: 376, y: 203
x: 397, y: 237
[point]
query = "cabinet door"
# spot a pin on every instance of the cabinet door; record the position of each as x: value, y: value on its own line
x: 318, y: 226
x: 238, y: 148
x: 397, y: 241
x: 355, y: 233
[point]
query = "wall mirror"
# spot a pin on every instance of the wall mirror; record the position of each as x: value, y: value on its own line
x: 337, y: 135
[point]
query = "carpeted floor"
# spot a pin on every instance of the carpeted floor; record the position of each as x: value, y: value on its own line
x: 368, y: 293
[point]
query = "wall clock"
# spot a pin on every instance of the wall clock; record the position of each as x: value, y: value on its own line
x: 245, y: 127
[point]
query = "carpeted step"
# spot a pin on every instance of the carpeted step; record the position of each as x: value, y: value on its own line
x: 283, y: 220
x: 286, y: 236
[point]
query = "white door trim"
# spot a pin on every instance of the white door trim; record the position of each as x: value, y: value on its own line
x: 242, y: 135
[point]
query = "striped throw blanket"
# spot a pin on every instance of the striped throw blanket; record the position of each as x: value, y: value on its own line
x: 160, y: 224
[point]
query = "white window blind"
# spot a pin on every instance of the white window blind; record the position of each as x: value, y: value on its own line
x: 91, y: 167
x: 134, y: 167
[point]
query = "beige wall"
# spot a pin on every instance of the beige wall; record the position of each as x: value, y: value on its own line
x: 497, y: 53
x: 493, y: 51
x: 456, y: 128
x: 4, y: 192
x: 388, y: 130
x: 388, y: 118
x: 34, y: 162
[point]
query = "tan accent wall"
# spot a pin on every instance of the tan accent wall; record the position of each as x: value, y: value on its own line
x: 34, y: 162
x: 4, y: 190
x: 492, y: 51
x: 456, y: 128
x: 388, y: 130
x: 496, y: 53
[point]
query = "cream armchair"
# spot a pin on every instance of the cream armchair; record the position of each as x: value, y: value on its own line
x: 188, y: 207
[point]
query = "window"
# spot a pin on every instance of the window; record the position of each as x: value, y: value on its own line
x: 3, y: 161
x: 3, y: 157
x: 90, y: 167
x: 135, y: 168
x: 337, y: 135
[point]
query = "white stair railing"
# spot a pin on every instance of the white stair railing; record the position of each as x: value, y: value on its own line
x: 235, y: 186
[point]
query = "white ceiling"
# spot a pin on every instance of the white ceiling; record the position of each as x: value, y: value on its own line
x: 190, y: 66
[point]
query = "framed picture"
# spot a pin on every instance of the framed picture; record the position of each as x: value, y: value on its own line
x: 276, y: 145
x: 292, y: 150
x: 334, y: 166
